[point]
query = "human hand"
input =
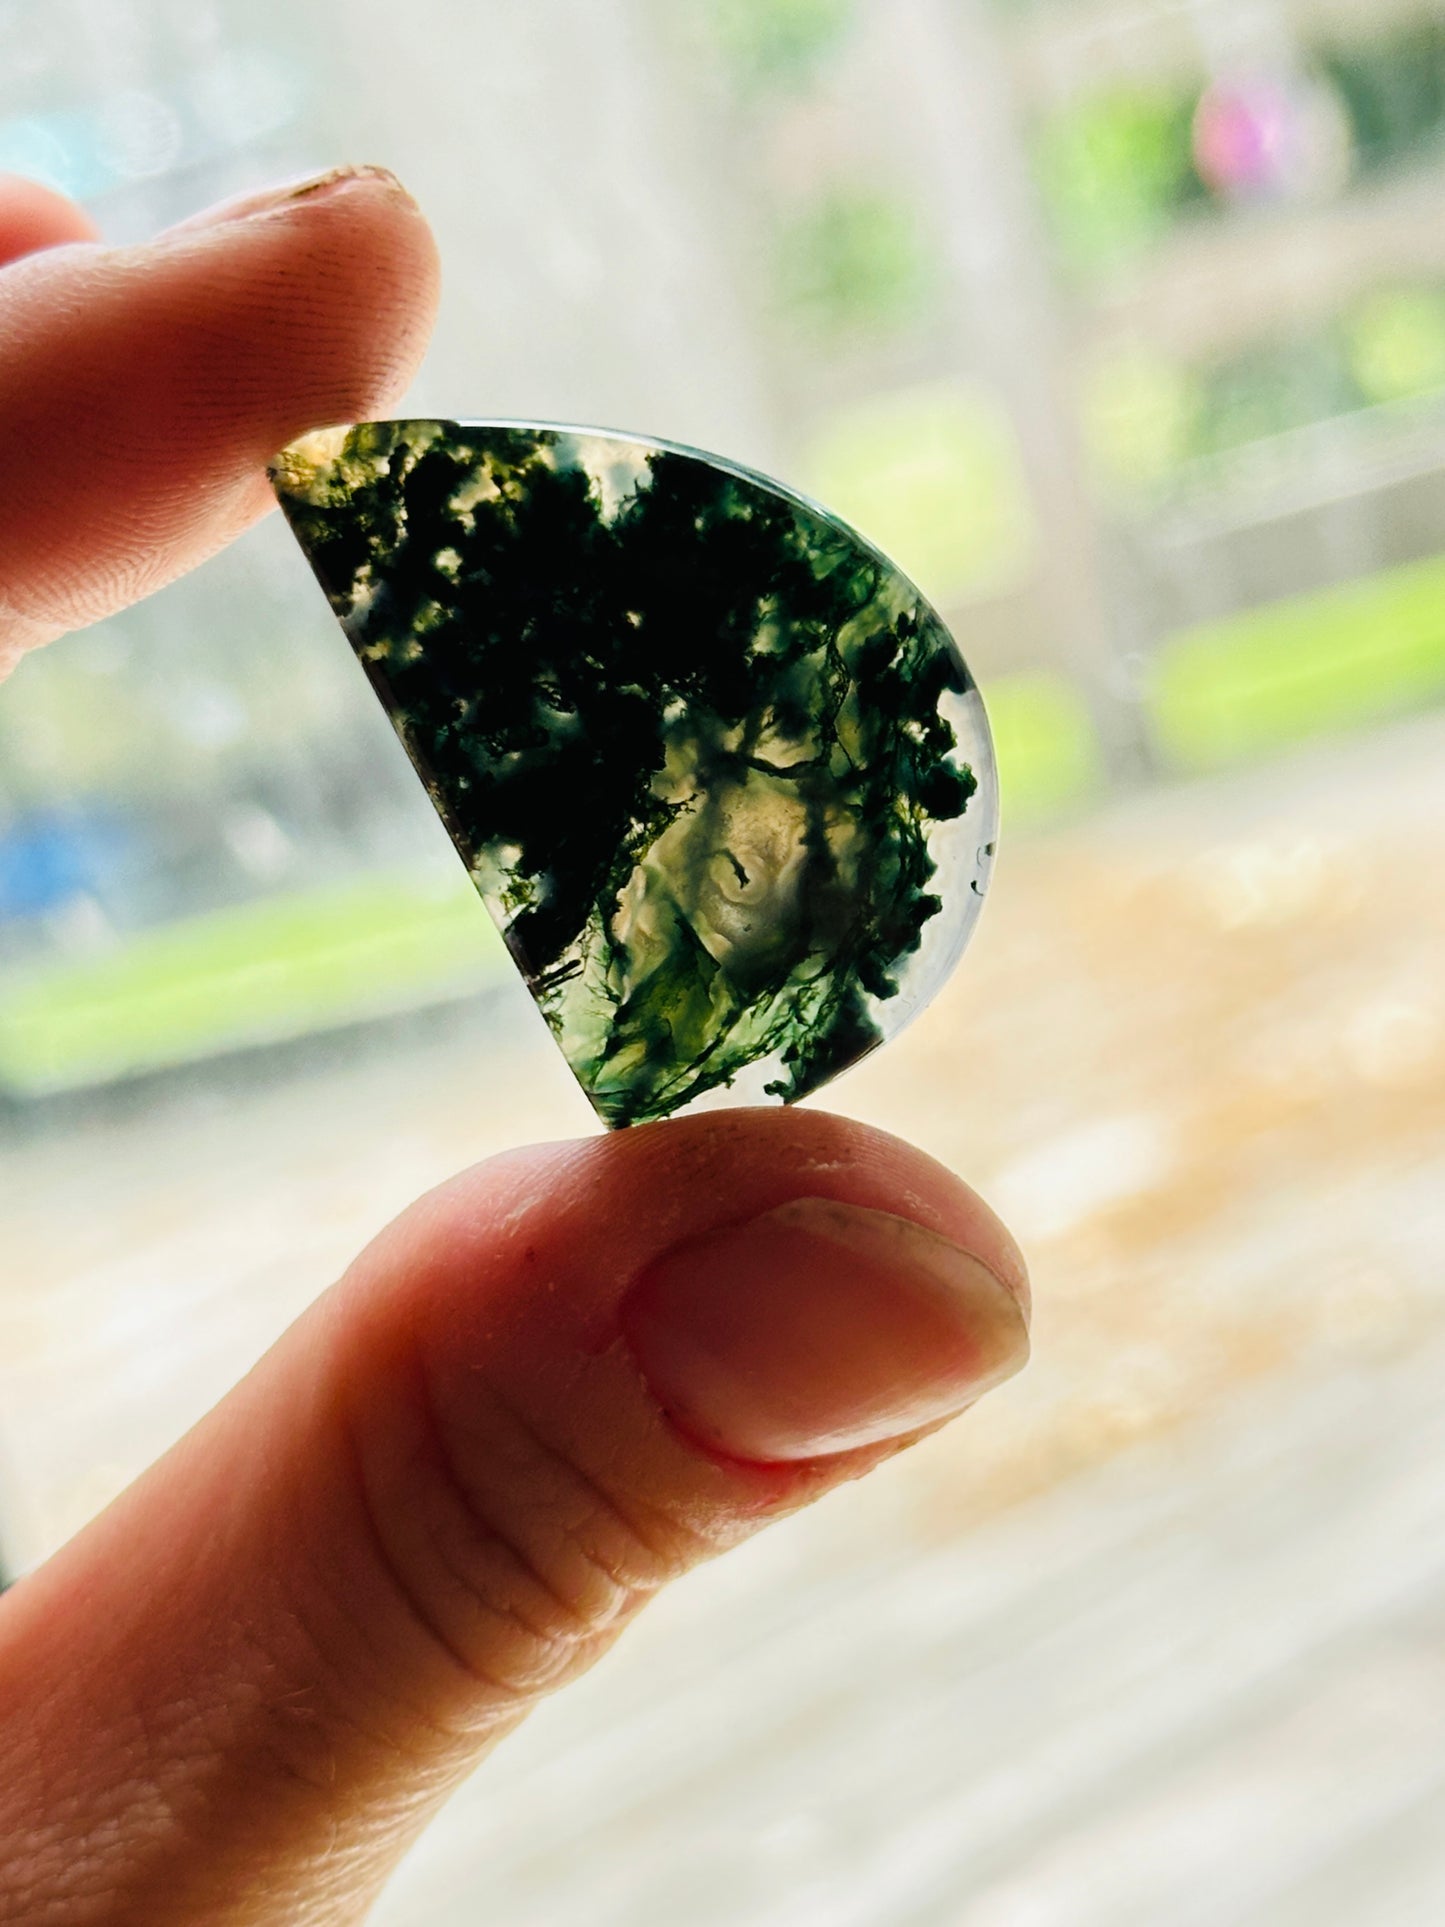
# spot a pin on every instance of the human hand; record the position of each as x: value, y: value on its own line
x: 550, y: 1387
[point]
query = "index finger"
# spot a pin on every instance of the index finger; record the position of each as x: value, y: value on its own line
x: 144, y: 388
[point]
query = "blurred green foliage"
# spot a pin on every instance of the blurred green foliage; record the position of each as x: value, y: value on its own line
x: 934, y: 477
x: 1147, y: 416
x: 1116, y: 171
x: 1271, y: 388
x: 262, y: 972
x: 770, y: 44
x: 855, y: 264
x: 1279, y: 674
x: 1043, y: 737
x: 1246, y: 686
x: 1396, y: 344
x: 1393, y: 89
x: 1141, y: 413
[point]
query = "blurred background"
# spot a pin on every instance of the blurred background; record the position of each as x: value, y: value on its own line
x: 1122, y: 324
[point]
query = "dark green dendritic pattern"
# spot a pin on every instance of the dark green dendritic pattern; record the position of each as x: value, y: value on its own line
x: 691, y: 737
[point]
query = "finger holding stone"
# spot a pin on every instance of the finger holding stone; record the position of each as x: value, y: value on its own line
x: 144, y: 388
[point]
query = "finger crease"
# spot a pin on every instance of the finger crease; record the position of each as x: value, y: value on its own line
x: 483, y: 1521
x: 468, y: 1666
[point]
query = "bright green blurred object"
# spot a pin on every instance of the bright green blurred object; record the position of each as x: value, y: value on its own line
x: 1116, y: 170
x: 1141, y: 417
x: 855, y: 263
x: 1147, y: 416
x: 1397, y: 344
x: 1279, y: 674
x: 1043, y: 737
x: 933, y: 476
x: 262, y: 973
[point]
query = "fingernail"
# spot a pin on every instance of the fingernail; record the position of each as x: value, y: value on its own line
x: 818, y: 1328
x: 269, y: 199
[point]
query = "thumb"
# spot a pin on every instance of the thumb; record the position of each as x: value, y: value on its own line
x: 550, y: 1387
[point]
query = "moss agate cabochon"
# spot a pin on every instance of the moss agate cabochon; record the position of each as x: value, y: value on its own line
x: 718, y: 770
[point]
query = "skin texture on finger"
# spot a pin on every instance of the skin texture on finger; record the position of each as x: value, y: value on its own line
x: 143, y: 389
x: 238, y: 1696
x: 34, y: 217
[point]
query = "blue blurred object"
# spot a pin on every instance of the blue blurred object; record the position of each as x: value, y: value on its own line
x: 48, y: 857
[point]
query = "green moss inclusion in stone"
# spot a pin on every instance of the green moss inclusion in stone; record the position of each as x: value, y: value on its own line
x: 691, y: 736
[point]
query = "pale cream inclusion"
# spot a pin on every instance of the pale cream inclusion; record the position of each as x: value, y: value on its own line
x: 305, y: 466
x: 480, y: 486
x: 730, y: 868
x: 615, y: 469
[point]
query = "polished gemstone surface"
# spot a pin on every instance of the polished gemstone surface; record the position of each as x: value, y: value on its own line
x: 715, y: 766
